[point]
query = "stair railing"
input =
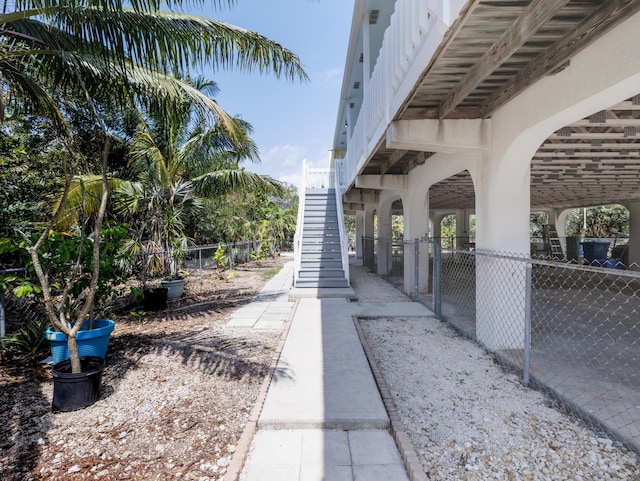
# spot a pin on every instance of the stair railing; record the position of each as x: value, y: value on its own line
x: 297, y: 238
x: 344, y: 239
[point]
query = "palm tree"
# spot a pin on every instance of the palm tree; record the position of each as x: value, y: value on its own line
x: 97, y: 47
x: 181, y: 158
x: 100, y: 49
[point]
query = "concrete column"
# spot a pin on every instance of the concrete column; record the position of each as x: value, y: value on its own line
x: 502, y: 227
x: 416, y: 225
x: 369, y: 232
x: 634, y: 235
x: 359, y: 233
x: 462, y: 229
x: 384, y: 238
x: 437, y: 225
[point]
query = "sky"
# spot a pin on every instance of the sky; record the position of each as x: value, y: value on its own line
x: 292, y: 121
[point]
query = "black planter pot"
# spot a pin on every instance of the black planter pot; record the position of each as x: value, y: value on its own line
x: 155, y: 299
x: 76, y: 391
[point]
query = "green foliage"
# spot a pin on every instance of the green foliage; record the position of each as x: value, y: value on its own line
x: 30, y: 341
x: 28, y: 177
x: 602, y: 221
x: 60, y: 253
x: 136, y: 293
x: 220, y: 259
x: 397, y: 226
x: 250, y: 216
x: 537, y: 221
x: 269, y: 273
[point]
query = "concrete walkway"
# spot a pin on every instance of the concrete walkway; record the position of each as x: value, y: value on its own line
x: 271, y: 308
x: 323, y: 418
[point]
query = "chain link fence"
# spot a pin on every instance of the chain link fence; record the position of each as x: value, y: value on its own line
x: 197, y: 261
x: 389, y: 250
x: 571, y: 330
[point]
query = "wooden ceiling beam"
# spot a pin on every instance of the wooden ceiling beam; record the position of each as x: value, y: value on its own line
x: 537, y: 14
x: 591, y: 148
x: 450, y: 35
x: 413, y: 113
x: 395, y: 157
x: 594, y: 136
x: 604, y: 19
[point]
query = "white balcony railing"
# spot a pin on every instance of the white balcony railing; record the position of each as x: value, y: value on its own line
x: 416, y: 30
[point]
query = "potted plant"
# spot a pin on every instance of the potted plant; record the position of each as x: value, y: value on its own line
x: 76, y: 272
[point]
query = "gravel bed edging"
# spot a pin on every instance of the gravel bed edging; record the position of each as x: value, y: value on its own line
x: 405, y: 446
x: 244, y: 444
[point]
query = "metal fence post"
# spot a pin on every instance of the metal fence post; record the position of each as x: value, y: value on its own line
x: 416, y: 253
x: 527, y: 326
x: 3, y: 332
x: 145, y: 260
x: 200, y: 266
x: 437, y: 280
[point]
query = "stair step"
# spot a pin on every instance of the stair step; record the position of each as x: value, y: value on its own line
x: 321, y: 273
x: 320, y: 239
x: 321, y: 283
x: 320, y: 231
x: 321, y: 247
x: 320, y: 254
x: 305, y: 264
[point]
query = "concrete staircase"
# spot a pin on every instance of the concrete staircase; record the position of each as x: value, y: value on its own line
x: 321, y: 252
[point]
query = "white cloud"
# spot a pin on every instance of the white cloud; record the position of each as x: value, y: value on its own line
x: 283, y: 155
x: 284, y: 162
x: 328, y: 78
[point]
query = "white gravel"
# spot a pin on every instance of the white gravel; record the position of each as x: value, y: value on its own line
x: 469, y: 420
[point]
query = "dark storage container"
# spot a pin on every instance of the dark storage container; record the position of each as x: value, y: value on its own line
x: 595, y: 251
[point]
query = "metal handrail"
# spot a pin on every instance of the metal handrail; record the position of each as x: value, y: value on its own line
x: 344, y: 238
x: 297, y: 238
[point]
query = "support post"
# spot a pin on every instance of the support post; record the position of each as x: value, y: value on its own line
x: 437, y: 280
x: 3, y: 332
x: 527, y: 326
x: 416, y: 253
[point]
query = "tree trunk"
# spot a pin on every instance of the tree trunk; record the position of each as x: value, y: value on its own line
x: 74, y: 355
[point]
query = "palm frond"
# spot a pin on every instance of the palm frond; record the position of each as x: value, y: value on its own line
x: 83, y: 199
x: 221, y: 182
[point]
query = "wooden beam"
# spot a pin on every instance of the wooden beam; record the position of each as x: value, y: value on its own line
x: 395, y: 157
x: 604, y: 19
x: 450, y: 35
x: 419, y: 113
x: 594, y: 136
x: 537, y: 14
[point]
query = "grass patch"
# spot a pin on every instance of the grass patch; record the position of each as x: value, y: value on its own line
x: 269, y: 273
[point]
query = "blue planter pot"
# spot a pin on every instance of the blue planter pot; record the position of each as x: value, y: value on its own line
x: 92, y: 342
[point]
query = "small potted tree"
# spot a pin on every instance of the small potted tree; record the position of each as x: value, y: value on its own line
x: 69, y: 274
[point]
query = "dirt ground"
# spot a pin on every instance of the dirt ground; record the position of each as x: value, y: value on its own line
x: 176, y: 393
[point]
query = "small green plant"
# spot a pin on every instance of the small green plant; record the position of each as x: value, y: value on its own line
x: 30, y: 341
x: 269, y: 273
x: 139, y: 315
x: 220, y: 259
x: 136, y: 294
x: 20, y: 286
x: 258, y: 255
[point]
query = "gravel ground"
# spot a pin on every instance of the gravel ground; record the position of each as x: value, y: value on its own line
x: 177, y: 392
x: 470, y: 420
